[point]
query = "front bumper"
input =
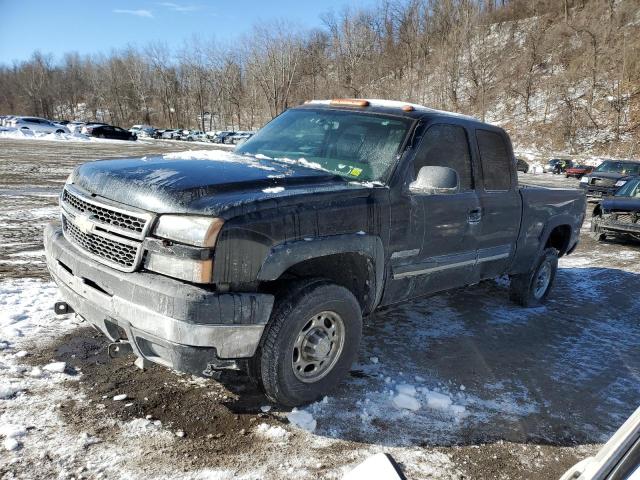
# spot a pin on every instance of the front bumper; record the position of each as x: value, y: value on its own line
x: 166, y: 321
x: 597, y: 192
x: 605, y: 225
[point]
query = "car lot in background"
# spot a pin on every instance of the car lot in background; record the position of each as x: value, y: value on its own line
x: 36, y: 124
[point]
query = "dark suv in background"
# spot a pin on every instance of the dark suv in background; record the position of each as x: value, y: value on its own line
x: 608, y: 177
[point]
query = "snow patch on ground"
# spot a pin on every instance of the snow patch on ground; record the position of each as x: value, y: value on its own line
x: 272, y: 432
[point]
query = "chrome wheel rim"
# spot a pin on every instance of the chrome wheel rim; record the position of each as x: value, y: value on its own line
x: 541, y: 282
x: 318, y: 347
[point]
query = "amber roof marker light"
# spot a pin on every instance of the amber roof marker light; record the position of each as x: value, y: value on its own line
x: 349, y: 102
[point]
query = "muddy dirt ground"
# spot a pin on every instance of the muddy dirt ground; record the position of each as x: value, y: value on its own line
x: 542, y: 388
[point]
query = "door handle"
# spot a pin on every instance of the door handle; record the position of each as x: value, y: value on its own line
x: 474, y: 216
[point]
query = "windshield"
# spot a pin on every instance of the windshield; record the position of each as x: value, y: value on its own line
x: 630, y: 189
x: 627, y: 168
x: 357, y: 146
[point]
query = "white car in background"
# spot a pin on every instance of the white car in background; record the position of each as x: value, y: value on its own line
x: 36, y: 124
x: 142, y: 130
x: 193, y: 135
x: 75, y: 127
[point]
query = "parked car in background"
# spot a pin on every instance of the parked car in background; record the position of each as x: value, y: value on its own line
x: 239, y: 137
x: 578, y: 171
x: 36, y: 124
x: 522, y: 166
x: 109, y: 131
x: 551, y: 166
x: 193, y: 135
x: 170, y: 134
x: 88, y: 126
x: 619, y: 214
x: 75, y: 127
x: 142, y: 130
x: 223, y: 136
x: 607, y: 177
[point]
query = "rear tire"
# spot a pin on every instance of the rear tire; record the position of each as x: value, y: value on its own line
x: 309, y: 343
x: 531, y: 289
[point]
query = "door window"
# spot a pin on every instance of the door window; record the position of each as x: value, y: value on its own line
x: 446, y: 146
x: 494, y: 156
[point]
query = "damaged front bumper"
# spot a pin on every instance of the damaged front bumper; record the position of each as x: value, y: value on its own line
x: 166, y: 321
x: 600, y: 225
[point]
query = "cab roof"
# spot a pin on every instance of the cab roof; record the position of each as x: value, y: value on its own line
x: 395, y: 107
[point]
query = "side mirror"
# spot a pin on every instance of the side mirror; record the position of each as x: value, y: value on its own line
x: 435, y: 181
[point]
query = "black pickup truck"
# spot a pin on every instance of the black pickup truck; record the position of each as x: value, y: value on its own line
x: 267, y: 259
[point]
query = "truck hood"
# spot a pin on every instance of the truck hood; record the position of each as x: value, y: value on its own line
x: 206, y: 182
x: 621, y: 204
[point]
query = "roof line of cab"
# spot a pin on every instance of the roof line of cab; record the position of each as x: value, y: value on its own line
x: 406, y: 109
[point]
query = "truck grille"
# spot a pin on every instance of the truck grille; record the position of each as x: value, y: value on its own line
x: 107, y: 232
x: 626, y: 217
x: 603, y: 182
x: 109, y: 251
x: 105, y: 215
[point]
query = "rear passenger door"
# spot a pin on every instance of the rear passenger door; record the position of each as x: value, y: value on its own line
x: 500, y: 201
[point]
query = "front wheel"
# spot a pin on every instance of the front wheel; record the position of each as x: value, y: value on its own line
x: 309, y: 344
x: 532, y: 288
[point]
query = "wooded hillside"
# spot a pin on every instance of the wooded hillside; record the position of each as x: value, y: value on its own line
x: 557, y: 74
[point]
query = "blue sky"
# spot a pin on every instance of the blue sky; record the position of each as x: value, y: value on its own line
x: 99, y: 26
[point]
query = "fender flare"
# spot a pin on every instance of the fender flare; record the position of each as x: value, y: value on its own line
x: 285, y: 255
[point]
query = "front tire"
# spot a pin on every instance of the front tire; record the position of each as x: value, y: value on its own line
x: 531, y: 289
x: 309, y: 343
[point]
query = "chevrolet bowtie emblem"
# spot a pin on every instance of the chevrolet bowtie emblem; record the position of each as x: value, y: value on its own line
x: 84, y: 223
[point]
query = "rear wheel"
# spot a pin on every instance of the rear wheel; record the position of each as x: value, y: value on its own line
x: 532, y: 288
x: 309, y: 344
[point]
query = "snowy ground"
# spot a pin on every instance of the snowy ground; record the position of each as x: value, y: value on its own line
x: 460, y: 385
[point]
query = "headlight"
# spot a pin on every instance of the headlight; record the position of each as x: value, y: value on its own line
x: 192, y: 230
x: 620, y: 183
x: 584, y: 179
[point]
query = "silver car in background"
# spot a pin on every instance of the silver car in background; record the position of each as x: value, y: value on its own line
x: 36, y: 124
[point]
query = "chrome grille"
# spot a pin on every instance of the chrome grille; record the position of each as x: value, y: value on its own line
x: 108, y: 250
x: 105, y: 215
x: 626, y: 217
x: 603, y: 182
x: 108, y: 232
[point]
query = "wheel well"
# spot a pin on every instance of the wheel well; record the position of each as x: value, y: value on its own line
x: 353, y: 271
x: 559, y: 239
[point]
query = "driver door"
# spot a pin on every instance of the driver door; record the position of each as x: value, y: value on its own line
x: 448, y: 224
